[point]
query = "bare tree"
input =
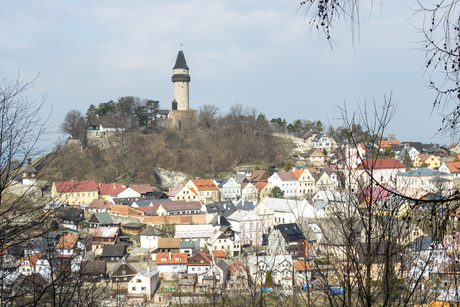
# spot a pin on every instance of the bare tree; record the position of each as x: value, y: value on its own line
x: 208, y: 115
x: 74, y: 124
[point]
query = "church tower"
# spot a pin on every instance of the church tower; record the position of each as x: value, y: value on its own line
x: 180, y: 79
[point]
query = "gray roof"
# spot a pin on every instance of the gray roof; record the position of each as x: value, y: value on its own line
x: 223, y: 265
x: 280, y: 205
x: 243, y: 205
x: 189, y: 244
x: 116, y: 250
x: 149, y: 273
x: 424, y: 172
x: 180, y: 61
x: 119, y: 263
x: 102, y: 217
x: 150, y: 231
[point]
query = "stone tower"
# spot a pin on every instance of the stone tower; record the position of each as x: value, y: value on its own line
x: 180, y: 79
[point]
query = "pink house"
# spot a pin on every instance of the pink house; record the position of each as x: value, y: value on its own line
x: 249, y: 225
x: 451, y: 241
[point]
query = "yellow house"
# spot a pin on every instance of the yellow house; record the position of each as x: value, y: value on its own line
x: 307, y: 186
x: 430, y: 160
x: 75, y: 192
x: 265, y: 189
x: 391, y: 209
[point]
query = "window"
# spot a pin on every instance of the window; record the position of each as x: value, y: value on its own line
x: 134, y: 288
x: 143, y: 288
x: 138, y: 280
x: 83, y: 194
x: 78, y: 194
x: 123, y: 272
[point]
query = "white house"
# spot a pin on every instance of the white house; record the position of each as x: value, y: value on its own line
x: 149, y: 237
x: 286, y: 181
x: 145, y: 282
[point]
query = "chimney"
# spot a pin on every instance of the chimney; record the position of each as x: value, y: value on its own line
x: 293, y: 169
x: 170, y: 257
x: 239, y: 210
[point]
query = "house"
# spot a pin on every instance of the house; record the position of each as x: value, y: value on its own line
x: 427, y: 160
x: 145, y: 190
x: 220, y: 241
x: 411, y: 151
x: 419, y: 182
x: 27, y: 265
x: 314, y: 156
x: 113, y: 253
x: 229, y: 189
x: 108, y: 191
x: 100, y: 219
x: 189, y: 247
x: 249, y: 192
x: 288, y: 239
x: 199, y: 263
x: 102, y: 130
x: 145, y: 283
x: 72, y: 218
x: 93, y: 270
x: 307, y: 183
x: 224, y: 208
x: 167, y: 245
x: 378, y: 253
x: 171, y: 262
x: 237, y: 276
x: 280, y: 267
x: 213, y: 279
x: 451, y: 168
x: 265, y: 189
x: 259, y: 176
x: 75, y: 192
x: 383, y: 145
x: 181, y: 192
x: 179, y: 207
x: 286, y: 181
x: 310, y: 135
x: 205, y: 189
x: 134, y: 228
x: 248, y: 225
x: 122, y: 272
x: 451, y: 241
x: 99, y: 205
x: 39, y: 247
x: 322, y: 141
x: 105, y: 236
x: 149, y: 237
x: 71, y: 250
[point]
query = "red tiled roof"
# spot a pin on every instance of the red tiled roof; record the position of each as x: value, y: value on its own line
x: 219, y: 254
x: 387, y: 144
x: 67, y: 242
x: 99, y: 204
x: 423, y: 157
x: 167, y: 258
x: 141, y: 188
x: 111, y: 189
x: 235, y: 266
x: 454, y: 167
x: 260, y: 185
x: 75, y: 186
x: 32, y: 259
x: 381, y: 163
x: 175, y: 205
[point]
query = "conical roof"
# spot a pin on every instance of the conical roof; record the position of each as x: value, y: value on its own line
x: 180, y: 61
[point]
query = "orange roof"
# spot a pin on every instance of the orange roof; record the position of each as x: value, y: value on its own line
x: 171, y: 258
x: 260, y: 185
x: 387, y: 144
x: 67, y: 242
x: 219, y: 254
x: 297, y: 172
x: 454, y: 167
x: 32, y: 259
x: 301, y: 266
x: 204, y: 184
x: 169, y: 242
x: 381, y: 163
x: 75, y: 186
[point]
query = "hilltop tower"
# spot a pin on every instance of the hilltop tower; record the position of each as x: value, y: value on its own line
x: 180, y: 79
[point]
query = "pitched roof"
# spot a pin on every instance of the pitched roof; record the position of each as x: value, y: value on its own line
x: 115, y: 250
x: 148, y: 273
x: 121, y: 262
x: 176, y: 190
x: 301, y: 266
x: 387, y: 144
x: 291, y: 232
x: 223, y: 265
x: 259, y: 175
x: 32, y: 259
x: 75, y: 186
x: 280, y: 205
x: 454, y: 167
x: 235, y: 266
x: 309, y: 133
x: 381, y: 163
x: 424, y: 171
x: 171, y: 258
x: 111, y: 189
x: 260, y: 185
x: 177, y: 205
x: 141, y: 188
x: 202, y: 254
x: 286, y: 176
x: 106, y: 232
x: 194, y: 231
x: 297, y: 172
x: 93, y: 266
x: 102, y: 217
x: 205, y: 184
x: 218, y: 253
x: 99, y: 204
x: 424, y: 157
x: 67, y: 242
x: 168, y: 242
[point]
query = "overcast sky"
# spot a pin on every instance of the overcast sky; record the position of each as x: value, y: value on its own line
x: 257, y: 53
